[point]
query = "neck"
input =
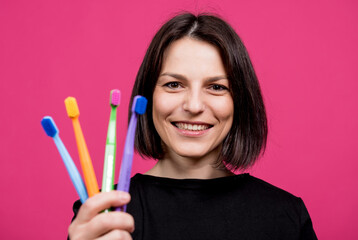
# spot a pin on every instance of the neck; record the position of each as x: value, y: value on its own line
x: 179, y: 167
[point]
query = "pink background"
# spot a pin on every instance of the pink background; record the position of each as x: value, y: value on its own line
x: 305, y: 54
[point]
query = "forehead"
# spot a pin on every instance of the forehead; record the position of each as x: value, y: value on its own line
x: 193, y: 57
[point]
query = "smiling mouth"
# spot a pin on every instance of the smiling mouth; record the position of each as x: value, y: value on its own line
x: 191, y: 126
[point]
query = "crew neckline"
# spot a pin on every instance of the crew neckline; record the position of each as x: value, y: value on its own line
x: 189, y: 182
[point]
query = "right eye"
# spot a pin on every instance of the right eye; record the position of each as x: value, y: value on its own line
x: 173, y: 85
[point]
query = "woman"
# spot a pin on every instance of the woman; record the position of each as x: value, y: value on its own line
x: 205, y: 119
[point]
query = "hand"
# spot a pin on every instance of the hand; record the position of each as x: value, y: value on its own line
x: 92, y: 223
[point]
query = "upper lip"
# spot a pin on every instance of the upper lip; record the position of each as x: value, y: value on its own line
x: 193, y: 123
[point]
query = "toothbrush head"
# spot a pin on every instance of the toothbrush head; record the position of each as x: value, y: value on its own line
x: 72, y: 107
x: 49, y: 126
x: 115, y: 98
x: 139, y: 104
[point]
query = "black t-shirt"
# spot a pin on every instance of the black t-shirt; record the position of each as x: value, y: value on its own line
x: 235, y: 207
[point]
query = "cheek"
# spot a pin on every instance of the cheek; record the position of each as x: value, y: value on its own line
x: 224, y: 109
x: 163, y: 105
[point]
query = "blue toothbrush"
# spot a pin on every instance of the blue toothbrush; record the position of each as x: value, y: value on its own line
x: 139, y: 106
x: 52, y: 131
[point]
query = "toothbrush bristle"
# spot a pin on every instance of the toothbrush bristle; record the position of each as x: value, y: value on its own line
x: 139, y: 104
x: 72, y: 107
x: 115, y: 97
x: 49, y: 126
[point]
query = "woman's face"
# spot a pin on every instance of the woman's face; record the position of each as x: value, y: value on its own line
x: 192, y: 105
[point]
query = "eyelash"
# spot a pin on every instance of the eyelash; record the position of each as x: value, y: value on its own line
x: 214, y: 87
x: 221, y: 87
x: 170, y: 85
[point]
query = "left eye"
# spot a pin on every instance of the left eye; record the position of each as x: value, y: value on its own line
x: 217, y: 87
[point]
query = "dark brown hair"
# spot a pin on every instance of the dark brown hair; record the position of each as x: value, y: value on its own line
x: 248, y: 134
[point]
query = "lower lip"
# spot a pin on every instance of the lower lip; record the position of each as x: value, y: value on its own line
x: 189, y: 133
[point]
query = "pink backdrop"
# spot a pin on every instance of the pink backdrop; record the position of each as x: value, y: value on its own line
x: 305, y: 54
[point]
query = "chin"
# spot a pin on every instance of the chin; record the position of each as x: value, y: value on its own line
x: 191, y: 153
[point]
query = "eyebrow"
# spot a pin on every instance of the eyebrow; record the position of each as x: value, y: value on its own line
x: 182, y: 77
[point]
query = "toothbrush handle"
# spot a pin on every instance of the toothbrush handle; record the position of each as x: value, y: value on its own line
x: 87, y: 167
x: 108, y: 169
x: 71, y: 169
x: 127, y: 160
x: 110, y: 154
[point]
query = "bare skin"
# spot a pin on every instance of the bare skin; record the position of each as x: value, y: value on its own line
x: 181, y: 168
x: 192, y: 110
x: 192, y: 113
x: 92, y: 223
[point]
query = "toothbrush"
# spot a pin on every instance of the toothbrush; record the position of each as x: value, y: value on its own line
x: 138, y: 108
x: 110, y: 152
x: 86, y: 163
x: 52, y: 131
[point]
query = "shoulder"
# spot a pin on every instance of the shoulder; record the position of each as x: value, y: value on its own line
x: 261, y: 197
x: 264, y: 188
x: 276, y: 206
x: 267, y: 187
x: 268, y: 197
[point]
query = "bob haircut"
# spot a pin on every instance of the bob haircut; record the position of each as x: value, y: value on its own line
x: 248, y: 134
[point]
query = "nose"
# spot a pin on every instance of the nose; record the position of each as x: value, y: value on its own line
x: 194, y: 102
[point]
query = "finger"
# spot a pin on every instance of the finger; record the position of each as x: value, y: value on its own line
x: 106, y: 222
x: 116, y: 234
x: 100, y: 202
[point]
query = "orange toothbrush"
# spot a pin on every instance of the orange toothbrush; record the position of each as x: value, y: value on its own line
x: 86, y: 163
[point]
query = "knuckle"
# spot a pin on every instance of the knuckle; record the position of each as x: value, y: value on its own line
x: 88, y: 205
x: 121, y: 220
x: 128, y: 222
x: 105, y: 221
x: 75, y: 231
x: 70, y: 230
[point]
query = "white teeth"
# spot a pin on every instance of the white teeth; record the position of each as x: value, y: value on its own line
x: 191, y: 127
